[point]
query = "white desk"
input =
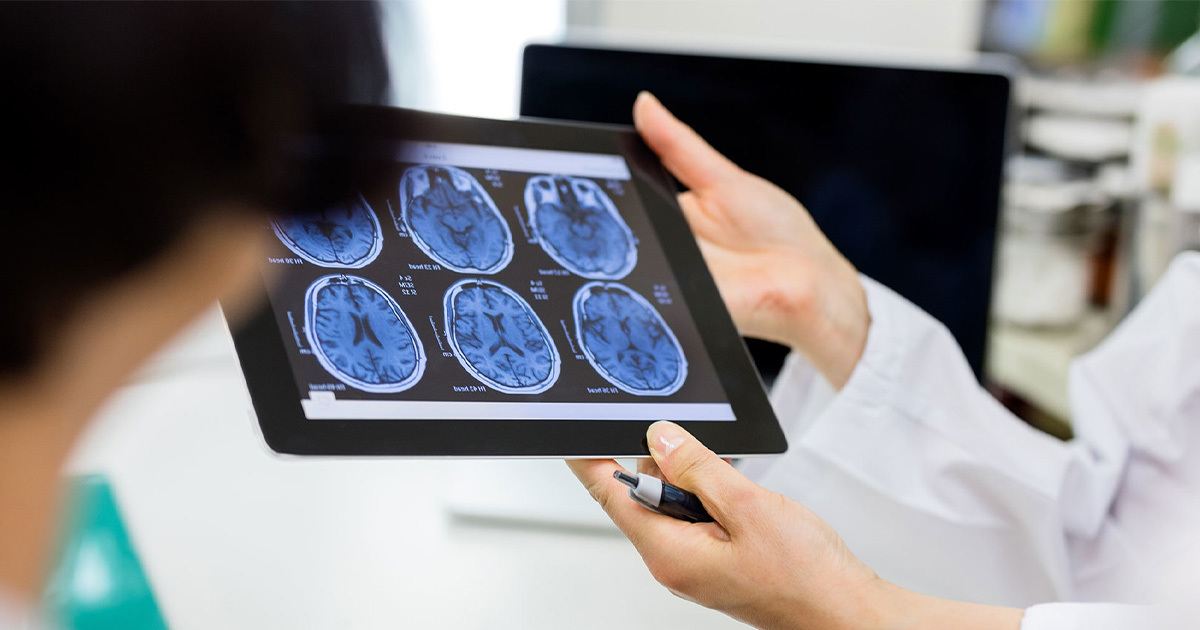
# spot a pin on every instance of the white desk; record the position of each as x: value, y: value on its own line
x: 234, y: 536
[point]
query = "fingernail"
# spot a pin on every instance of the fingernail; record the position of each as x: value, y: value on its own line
x: 665, y: 437
x: 637, y: 118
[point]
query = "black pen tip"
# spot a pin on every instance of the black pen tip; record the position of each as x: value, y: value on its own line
x: 626, y: 478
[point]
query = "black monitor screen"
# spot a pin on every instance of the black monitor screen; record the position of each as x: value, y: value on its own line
x: 900, y: 167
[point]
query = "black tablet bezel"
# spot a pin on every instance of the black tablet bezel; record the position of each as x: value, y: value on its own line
x: 276, y: 399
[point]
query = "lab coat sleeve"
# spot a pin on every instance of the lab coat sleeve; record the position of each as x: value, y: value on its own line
x: 1070, y: 616
x: 928, y: 479
x: 1136, y: 404
x: 939, y: 488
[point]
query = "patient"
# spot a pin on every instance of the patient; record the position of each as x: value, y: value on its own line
x: 140, y: 163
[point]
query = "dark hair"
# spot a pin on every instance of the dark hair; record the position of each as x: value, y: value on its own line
x: 122, y: 122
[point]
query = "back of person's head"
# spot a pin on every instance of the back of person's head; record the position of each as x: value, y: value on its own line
x: 123, y: 123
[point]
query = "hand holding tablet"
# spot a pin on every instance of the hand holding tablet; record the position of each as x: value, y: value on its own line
x: 512, y: 288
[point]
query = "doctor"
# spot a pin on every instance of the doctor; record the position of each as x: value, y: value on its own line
x: 895, y: 445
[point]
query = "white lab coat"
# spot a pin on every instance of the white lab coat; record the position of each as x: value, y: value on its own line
x: 940, y: 489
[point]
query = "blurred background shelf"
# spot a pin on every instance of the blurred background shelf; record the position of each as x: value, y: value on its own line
x: 1032, y: 364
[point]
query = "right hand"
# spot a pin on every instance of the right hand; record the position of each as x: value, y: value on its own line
x: 766, y: 560
x: 782, y: 280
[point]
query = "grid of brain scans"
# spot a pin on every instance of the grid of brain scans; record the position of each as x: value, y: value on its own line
x: 489, y: 283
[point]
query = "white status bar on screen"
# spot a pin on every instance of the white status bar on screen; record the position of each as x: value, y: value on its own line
x: 323, y: 407
x: 595, y: 165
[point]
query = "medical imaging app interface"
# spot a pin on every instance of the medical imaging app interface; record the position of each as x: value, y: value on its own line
x: 489, y: 283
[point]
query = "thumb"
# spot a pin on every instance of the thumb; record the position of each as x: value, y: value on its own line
x: 689, y: 158
x: 726, y: 493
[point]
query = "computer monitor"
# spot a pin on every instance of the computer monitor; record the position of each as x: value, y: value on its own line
x: 901, y: 167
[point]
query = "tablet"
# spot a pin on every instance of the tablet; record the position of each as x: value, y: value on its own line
x: 494, y: 289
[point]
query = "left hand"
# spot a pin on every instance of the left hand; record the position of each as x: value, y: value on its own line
x: 780, y: 277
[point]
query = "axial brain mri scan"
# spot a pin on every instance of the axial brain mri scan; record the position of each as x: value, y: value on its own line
x: 499, y: 339
x: 514, y: 284
x: 345, y: 235
x: 627, y: 341
x: 454, y: 220
x: 360, y: 335
x: 579, y: 227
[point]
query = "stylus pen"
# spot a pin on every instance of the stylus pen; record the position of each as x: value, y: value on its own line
x: 660, y: 496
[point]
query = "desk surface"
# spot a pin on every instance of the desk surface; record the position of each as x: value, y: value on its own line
x: 234, y: 536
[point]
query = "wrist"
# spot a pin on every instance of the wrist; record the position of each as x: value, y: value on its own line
x: 831, y: 327
x: 893, y: 608
x: 890, y: 607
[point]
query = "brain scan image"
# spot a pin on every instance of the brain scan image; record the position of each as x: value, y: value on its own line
x: 579, y: 227
x: 627, y: 341
x: 453, y: 220
x: 499, y: 339
x: 346, y: 235
x: 360, y: 335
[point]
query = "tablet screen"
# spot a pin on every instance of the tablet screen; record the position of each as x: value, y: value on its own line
x: 489, y: 282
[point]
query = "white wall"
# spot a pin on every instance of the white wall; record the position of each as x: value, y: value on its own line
x: 463, y: 56
x: 914, y: 28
